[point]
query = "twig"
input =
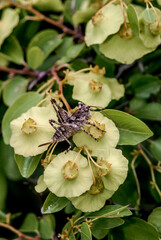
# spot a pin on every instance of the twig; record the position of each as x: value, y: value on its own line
x: 136, y: 180
x: 41, y: 16
x: 60, y: 84
x: 151, y: 170
x: 24, y: 71
x: 20, y: 234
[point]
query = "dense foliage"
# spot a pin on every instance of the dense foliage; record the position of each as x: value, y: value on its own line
x: 80, y: 146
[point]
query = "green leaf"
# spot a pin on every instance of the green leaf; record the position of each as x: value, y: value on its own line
x: 42, y: 44
x: 21, y: 105
x: 9, y: 20
x: 111, y: 211
x: 155, y: 148
x: 100, y: 228
x: 149, y: 15
x: 144, y: 85
x: 137, y: 104
x: 11, y: 50
x: 136, y: 228
x: 45, y: 229
x: 155, y: 218
x: 14, y: 88
x: 85, y: 232
x: 49, y: 5
x: 151, y: 111
x: 8, y: 163
x: 30, y: 223
x: 133, y: 19
x: 27, y: 165
x: 35, y: 57
x: 2, y: 216
x: 3, y: 187
x: 132, y: 130
x: 54, y: 204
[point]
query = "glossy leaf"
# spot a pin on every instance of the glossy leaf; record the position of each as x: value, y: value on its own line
x: 144, y: 85
x: 21, y: 105
x: 45, y: 229
x: 155, y: 148
x: 149, y: 15
x: 27, y: 165
x: 14, y: 88
x: 132, y: 130
x: 42, y: 44
x: 151, y: 111
x: 8, y: 163
x: 111, y: 211
x: 9, y: 20
x: 12, y: 51
x: 49, y: 5
x: 85, y: 232
x: 100, y: 227
x: 35, y: 57
x: 54, y: 204
x: 136, y: 228
x: 133, y: 19
x: 155, y: 218
x: 30, y: 223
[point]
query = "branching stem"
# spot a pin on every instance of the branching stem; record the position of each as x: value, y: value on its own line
x: 20, y: 235
x: 41, y: 16
x: 24, y: 71
x: 60, y: 84
x: 154, y: 183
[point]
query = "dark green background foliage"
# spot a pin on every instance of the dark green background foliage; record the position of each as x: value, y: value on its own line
x: 32, y: 41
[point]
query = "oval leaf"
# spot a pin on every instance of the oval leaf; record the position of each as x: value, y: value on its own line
x: 155, y: 218
x: 30, y: 223
x: 132, y: 130
x: 112, y: 211
x: 12, y: 51
x: 9, y: 20
x: 35, y: 57
x: 151, y: 111
x: 14, y: 88
x: 54, y: 204
x: 21, y: 105
x: 85, y: 232
x: 27, y: 165
x: 100, y: 227
x: 136, y: 228
x: 155, y: 148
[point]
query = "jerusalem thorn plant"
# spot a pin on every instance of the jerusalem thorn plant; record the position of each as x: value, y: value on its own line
x: 80, y: 112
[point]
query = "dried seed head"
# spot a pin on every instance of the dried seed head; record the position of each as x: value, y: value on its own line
x: 70, y: 170
x: 106, y: 167
x: 29, y: 126
x: 95, y: 86
x: 96, y: 188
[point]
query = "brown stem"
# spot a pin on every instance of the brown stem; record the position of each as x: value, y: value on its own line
x: 20, y: 234
x: 41, y: 16
x: 59, y: 82
x: 154, y: 183
x: 24, y: 71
